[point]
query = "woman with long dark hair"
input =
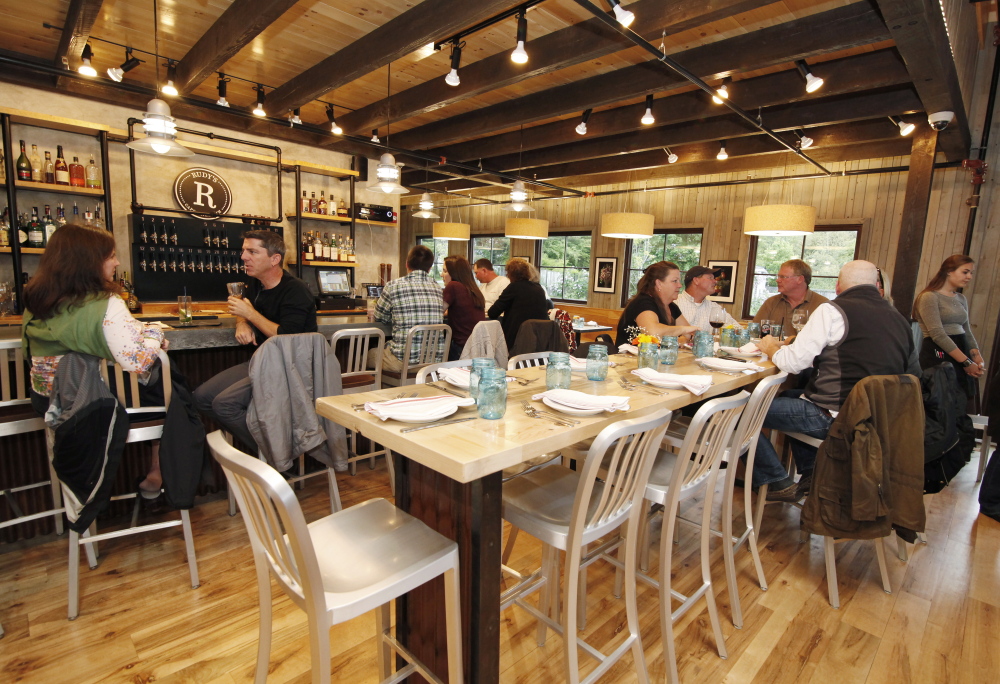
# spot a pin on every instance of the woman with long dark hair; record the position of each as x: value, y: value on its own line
x: 463, y: 302
x: 943, y: 314
x: 73, y: 304
x: 652, y: 308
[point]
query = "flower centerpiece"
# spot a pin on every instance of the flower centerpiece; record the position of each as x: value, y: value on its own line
x: 638, y: 335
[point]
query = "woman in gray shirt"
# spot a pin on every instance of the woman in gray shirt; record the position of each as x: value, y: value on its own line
x: 943, y: 315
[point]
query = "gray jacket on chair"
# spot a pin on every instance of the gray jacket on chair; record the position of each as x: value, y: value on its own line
x: 288, y: 374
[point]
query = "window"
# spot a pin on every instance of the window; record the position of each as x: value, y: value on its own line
x: 440, y: 249
x: 680, y: 245
x: 826, y: 250
x: 565, y: 266
x: 496, y: 249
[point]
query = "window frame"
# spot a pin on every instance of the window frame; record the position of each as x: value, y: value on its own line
x: 658, y: 231
x: 433, y: 239
x: 752, y: 258
x: 492, y: 236
x: 537, y: 261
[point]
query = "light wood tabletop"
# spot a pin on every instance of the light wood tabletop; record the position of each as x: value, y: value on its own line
x: 473, y: 449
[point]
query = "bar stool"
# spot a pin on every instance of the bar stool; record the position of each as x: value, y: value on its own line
x: 355, y: 377
x: 434, y: 341
x: 339, y: 567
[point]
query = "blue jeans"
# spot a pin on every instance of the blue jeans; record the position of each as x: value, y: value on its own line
x: 789, y: 413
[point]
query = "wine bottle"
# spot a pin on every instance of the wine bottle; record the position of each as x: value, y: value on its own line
x: 49, y: 170
x: 98, y: 222
x: 48, y: 225
x: 36, y: 235
x: 23, y: 166
x: 36, y: 165
x: 77, y: 176
x: 5, y: 228
x: 93, y: 175
x: 62, y: 171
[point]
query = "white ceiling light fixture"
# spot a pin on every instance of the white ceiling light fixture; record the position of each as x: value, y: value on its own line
x: 905, y: 128
x: 294, y: 119
x: 526, y: 229
x: 520, y: 55
x: 387, y: 176
x: 779, y: 220
x: 722, y: 92
x: 426, y: 207
x: 518, y: 199
x: 648, y: 119
x: 813, y: 83
x: 627, y: 225
x: 222, y: 101
x: 170, y: 89
x: 375, y: 136
x: 161, y: 132
x: 85, y: 68
x: 117, y: 73
x: 722, y: 155
x: 334, y: 128
x: 258, y: 109
x: 581, y: 127
x: 624, y: 17
x: 452, y: 78
x: 805, y: 142
x: 671, y: 157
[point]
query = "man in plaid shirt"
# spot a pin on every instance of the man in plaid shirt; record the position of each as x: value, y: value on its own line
x: 414, y: 299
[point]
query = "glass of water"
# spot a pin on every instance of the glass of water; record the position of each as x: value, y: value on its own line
x: 236, y: 289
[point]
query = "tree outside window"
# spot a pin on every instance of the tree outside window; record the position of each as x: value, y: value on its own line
x: 496, y: 249
x: 565, y: 266
x: 440, y: 249
x: 681, y: 246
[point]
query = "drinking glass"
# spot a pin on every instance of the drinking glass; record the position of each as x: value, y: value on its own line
x: 478, y: 365
x: 597, y: 362
x: 753, y: 330
x: 492, y: 403
x: 647, y: 355
x: 668, y: 353
x: 184, y: 314
x: 717, y: 319
x: 799, y: 318
x: 235, y: 289
x: 703, y: 345
x: 558, y: 373
x: 776, y: 331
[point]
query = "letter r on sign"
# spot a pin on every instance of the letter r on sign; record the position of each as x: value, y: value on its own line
x: 203, y: 190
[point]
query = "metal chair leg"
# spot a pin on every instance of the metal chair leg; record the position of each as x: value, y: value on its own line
x: 831, y: 571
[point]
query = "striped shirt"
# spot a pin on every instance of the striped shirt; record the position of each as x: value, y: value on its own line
x: 414, y: 299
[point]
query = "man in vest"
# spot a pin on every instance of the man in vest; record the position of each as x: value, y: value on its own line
x: 857, y: 335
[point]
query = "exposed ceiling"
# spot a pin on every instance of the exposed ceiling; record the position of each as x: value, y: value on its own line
x: 370, y: 59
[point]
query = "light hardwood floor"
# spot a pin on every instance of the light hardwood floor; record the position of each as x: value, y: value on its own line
x: 140, y: 620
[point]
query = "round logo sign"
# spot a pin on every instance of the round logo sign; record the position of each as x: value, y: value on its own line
x: 202, y: 190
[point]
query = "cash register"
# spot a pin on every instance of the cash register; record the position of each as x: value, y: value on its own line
x: 336, y: 289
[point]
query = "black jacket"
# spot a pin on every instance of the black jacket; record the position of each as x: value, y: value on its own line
x: 520, y: 301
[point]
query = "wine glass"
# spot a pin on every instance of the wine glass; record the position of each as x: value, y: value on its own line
x: 717, y: 319
x: 799, y: 318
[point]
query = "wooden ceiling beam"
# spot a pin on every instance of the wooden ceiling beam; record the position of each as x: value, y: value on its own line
x: 426, y: 22
x: 242, y: 21
x: 574, y: 44
x: 80, y: 18
x: 838, y: 29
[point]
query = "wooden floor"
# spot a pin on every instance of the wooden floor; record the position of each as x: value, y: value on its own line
x: 140, y: 620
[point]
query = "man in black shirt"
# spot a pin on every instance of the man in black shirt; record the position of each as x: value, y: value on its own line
x: 274, y: 303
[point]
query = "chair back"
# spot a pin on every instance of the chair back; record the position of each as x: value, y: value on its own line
x: 430, y: 373
x: 127, y: 388
x: 434, y: 342
x: 707, y: 437
x: 14, y: 389
x: 753, y: 414
x: 537, y: 335
x: 614, y: 473
x: 274, y: 522
x: 355, y: 343
x: 528, y: 360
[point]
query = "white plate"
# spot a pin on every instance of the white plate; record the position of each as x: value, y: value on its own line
x: 735, y: 351
x: 456, y: 384
x: 662, y: 385
x: 569, y: 410
x: 423, y: 419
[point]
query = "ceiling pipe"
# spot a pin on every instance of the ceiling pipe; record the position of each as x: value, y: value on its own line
x: 681, y: 71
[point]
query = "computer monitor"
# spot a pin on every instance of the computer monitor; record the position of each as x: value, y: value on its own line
x: 374, y: 291
x: 334, y: 282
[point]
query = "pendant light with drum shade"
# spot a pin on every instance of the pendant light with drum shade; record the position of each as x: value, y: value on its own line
x: 446, y: 230
x: 627, y: 225
x: 779, y: 220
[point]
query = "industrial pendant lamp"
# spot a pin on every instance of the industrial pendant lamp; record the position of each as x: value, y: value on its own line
x: 161, y: 132
x: 426, y: 207
x: 387, y: 176
x: 779, y: 220
x: 518, y: 199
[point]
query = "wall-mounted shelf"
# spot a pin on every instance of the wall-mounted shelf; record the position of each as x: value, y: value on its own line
x: 321, y: 217
x: 350, y: 264
x: 60, y: 189
x: 24, y: 250
x: 377, y: 223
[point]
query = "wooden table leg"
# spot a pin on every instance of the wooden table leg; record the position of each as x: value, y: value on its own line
x: 469, y: 514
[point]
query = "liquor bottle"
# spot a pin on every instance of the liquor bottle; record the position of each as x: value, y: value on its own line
x: 36, y: 165
x: 23, y: 166
x: 36, y: 234
x: 22, y: 230
x: 48, y: 225
x: 62, y: 171
x: 317, y: 247
x: 334, y: 248
x: 307, y: 248
x: 351, y: 255
x: 341, y: 208
x: 5, y: 228
x: 60, y: 216
x: 304, y: 205
x: 321, y: 206
x: 77, y: 176
x: 98, y: 221
x: 313, y: 204
x: 93, y: 175
x: 88, y: 218
x: 49, y: 170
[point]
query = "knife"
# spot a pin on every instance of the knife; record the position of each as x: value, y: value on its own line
x: 448, y: 390
x: 431, y: 425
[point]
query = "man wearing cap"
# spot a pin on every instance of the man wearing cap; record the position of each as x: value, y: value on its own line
x: 793, y: 292
x: 699, y: 283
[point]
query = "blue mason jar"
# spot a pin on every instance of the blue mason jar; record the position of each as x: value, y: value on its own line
x: 668, y: 353
x: 727, y: 339
x: 477, y: 366
x: 597, y: 362
x: 753, y: 329
x: 492, y: 404
x: 703, y: 344
x: 742, y: 337
x: 647, y: 355
x: 558, y: 373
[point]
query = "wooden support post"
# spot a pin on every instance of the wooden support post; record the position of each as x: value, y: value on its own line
x: 911, y: 230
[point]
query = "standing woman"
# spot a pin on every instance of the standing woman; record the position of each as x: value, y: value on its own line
x: 72, y: 304
x: 943, y: 315
x: 522, y: 300
x: 463, y: 301
x: 652, y: 308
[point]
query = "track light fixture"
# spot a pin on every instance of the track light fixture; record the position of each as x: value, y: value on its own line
x: 671, y: 157
x: 170, y: 89
x: 648, y: 119
x: 813, y: 83
x: 375, y: 136
x: 519, y: 55
x: 258, y: 109
x: 581, y: 127
x: 222, y: 101
x: 722, y: 155
x: 904, y: 127
x: 294, y: 119
x: 624, y: 17
x: 805, y: 142
x: 426, y: 207
x: 117, y: 73
x: 334, y: 128
x: 452, y: 78
x: 722, y: 92
x: 85, y: 69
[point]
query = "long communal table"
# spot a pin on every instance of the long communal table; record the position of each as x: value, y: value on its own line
x: 450, y: 477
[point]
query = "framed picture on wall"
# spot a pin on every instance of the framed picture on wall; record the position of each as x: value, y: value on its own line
x: 605, y: 271
x: 725, y: 283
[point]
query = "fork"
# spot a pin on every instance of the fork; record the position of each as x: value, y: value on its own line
x: 532, y: 412
x: 631, y: 387
x: 543, y: 412
x: 401, y: 395
x: 522, y: 381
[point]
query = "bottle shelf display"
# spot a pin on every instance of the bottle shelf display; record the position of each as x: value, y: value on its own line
x: 61, y: 189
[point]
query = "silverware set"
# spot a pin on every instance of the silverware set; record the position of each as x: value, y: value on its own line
x: 631, y: 387
x: 438, y: 424
x: 532, y: 412
x: 522, y: 381
x: 401, y: 395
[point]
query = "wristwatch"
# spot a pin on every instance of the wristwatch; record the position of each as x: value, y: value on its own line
x: 968, y: 362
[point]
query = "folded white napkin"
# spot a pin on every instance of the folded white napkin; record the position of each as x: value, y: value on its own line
x: 430, y: 408
x: 460, y: 377
x: 628, y: 349
x: 581, y: 364
x: 593, y: 324
x: 749, y: 348
x: 582, y: 400
x: 729, y: 365
x: 695, y: 384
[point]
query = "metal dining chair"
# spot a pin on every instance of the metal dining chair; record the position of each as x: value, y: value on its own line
x: 352, y: 347
x: 340, y: 566
x: 528, y: 360
x: 430, y: 373
x: 434, y: 341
